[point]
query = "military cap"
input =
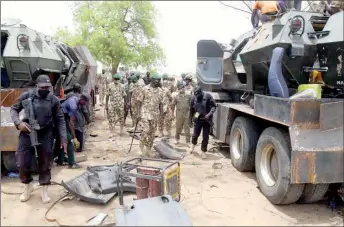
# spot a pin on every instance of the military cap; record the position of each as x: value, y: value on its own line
x: 180, y: 84
x: 116, y: 76
x: 133, y: 78
x: 156, y: 76
x: 43, y: 81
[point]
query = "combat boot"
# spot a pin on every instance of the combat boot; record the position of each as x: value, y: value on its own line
x: 45, y: 197
x: 25, y: 196
x: 204, y: 155
x: 192, y: 149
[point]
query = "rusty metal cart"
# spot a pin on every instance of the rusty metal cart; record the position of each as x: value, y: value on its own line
x: 151, y: 181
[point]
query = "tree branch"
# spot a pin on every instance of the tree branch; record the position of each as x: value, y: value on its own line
x: 128, y: 24
x: 234, y: 7
x: 249, y: 8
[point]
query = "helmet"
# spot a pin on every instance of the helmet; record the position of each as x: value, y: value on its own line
x: 138, y: 74
x: 156, y: 76
x: 164, y: 76
x: 182, y: 75
x: 180, y: 84
x: 77, y: 88
x: 116, y: 76
x: 133, y: 78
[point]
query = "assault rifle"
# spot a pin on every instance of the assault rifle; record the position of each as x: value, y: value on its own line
x: 34, y: 126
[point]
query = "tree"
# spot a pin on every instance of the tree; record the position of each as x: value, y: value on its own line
x: 116, y: 32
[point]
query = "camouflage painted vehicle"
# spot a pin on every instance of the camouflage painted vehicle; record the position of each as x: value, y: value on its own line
x: 25, y: 54
x: 295, y: 145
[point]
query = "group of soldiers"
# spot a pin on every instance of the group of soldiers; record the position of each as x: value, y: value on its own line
x: 153, y: 102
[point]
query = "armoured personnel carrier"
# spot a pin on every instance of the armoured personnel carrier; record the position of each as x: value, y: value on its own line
x: 293, y: 142
x: 25, y: 54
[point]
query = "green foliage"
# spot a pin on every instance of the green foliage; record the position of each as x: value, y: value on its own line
x: 116, y: 32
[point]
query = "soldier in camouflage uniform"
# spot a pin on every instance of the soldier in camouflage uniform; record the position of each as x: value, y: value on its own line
x: 152, y: 107
x: 181, y: 101
x: 116, y: 93
x: 136, y: 91
x: 140, y: 81
x: 188, y: 81
x: 167, y: 116
x: 101, y: 87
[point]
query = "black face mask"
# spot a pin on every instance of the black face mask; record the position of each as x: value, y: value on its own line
x: 43, y: 93
x: 199, y: 97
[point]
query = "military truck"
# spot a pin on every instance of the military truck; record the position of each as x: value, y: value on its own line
x: 293, y: 142
x: 25, y: 54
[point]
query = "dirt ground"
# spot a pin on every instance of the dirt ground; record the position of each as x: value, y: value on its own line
x: 211, y: 197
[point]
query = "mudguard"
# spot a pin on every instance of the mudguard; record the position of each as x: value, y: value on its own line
x: 80, y: 188
x: 168, y: 151
x: 103, y: 180
x: 166, y: 212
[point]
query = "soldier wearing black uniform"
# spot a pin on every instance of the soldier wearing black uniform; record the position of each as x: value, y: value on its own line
x: 202, y: 108
x: 48, y: 113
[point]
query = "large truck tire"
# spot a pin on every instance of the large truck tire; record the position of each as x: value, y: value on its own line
x: 242, y: 142
x: 9, y: 161
x: 313, y: 193
x: 273, y: 167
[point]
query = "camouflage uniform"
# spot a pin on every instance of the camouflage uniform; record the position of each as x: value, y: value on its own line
x: 181, y: 100
x: 151, y: 99
x: 101, y: 88
x: 116, y: 93
x: 167, y: 116
x: 136, y: 92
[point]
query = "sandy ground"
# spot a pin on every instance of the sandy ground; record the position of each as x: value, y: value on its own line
x: 210, y: 196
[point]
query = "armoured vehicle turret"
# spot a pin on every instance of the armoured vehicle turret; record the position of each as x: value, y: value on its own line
x: 293, y: 142
x: 25, y: 54
x: 311, y: 41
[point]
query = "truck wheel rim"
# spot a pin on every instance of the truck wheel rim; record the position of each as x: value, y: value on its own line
x: 269, y: 165
x: 237, y: 144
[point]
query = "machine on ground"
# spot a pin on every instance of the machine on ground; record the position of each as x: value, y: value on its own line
x: 295, y: 145
x: 26, y: 54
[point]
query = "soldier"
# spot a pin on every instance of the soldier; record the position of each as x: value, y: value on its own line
x: 127, y: 99
x: 101, y: 87
x: 166, y: 118
x: 116, y: 93
x: 48, y: 112
x: 172, y: 83
x: 151, y: 103
x: 140, y: 81
x: 147, y: 78
x: 181, y: 100
x: 188, y: 82
x: 136, y: 91
x: 202, y: 108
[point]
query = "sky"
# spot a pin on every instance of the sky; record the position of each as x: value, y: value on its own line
x: 180, y: 24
